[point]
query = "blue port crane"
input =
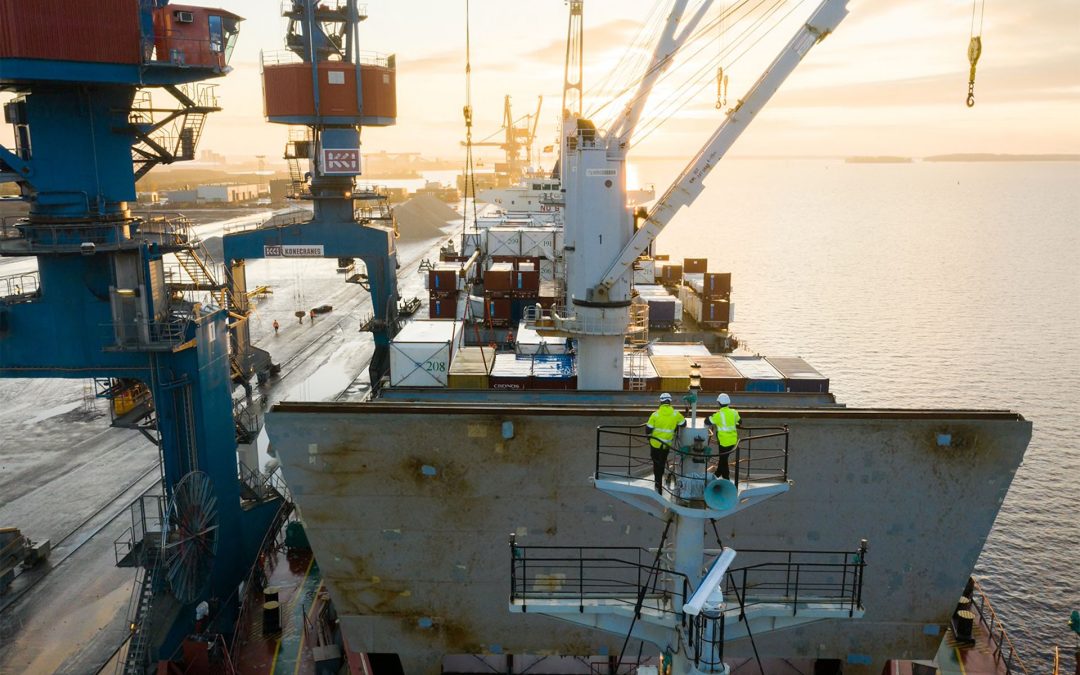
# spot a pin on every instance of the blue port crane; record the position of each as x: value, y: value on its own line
x: 130, y: 300
x: 325, y: 87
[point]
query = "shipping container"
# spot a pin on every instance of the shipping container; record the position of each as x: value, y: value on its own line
x: 287, y: 91
x: 545, y: 297
x: 664, y: 312
x: 444, y: 278
x: 527, y: 342
x: 471, y: 368
x: 759, y: 374
x: 525, y: 282
x: 695, y: 265
x: 695, y: 280
x: 718, y: 374
x: 510, y: 372
x: 421, y: 353
x: 646, y: 290
x: 671, y: 274
x: 715, y: 313
x: 800, y: 376
x: 541, y: 242
x: 717, y: 285
x: 553, y: 371
x: 503, y: 241
x: 673, y: 373
x: 691, y: 302
x: 679, y: 349
x: 499, y: 278
x: 106, y: 31
x: 443, y: 307
x: 641, y: 368
x: 497, y: 311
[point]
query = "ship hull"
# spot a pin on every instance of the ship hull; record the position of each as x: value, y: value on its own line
x: 409, y: 507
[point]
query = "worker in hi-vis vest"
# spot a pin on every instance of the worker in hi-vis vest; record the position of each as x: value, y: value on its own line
x: 662, y: 426
x: 725, y: 423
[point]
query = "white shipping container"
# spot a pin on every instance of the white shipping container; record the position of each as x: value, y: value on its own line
x: 421, y: 353
x: 539, y: 242
x: 503, y: 241
x: 642, y: 276
x: 678, y: 349
x: 691, y: 302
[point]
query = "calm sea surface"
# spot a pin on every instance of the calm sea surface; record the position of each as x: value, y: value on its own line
x: 924, y: 284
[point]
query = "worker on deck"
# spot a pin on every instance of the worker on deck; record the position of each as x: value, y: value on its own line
x: 662, y: 426
x: 725, y: 423
x: 276, y: 326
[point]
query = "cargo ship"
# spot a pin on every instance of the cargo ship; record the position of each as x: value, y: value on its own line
x: 492, y: 507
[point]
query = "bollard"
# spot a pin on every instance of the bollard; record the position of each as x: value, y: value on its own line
x: 271, y: 618
x: 965, y: 623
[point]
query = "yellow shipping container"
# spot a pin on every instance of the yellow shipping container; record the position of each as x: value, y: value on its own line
x: 674, y: 372
x: 470, y: 368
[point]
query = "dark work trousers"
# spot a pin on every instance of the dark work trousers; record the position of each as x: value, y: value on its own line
x: 722, y: 470
x: 659, y: 459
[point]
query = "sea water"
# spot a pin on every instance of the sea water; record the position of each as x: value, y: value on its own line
x: 926, y: 284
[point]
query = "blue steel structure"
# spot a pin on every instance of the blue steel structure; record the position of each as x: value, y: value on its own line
x: 102, y: 304
x: 324, y: 36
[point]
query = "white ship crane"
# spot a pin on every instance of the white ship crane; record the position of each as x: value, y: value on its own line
x: 601, y: 242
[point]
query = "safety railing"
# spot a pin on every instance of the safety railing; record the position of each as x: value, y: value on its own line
x: 580, y: 575
x: 587, y: 574
x: 1004, y: 652
x: 625, y: 453
x: 778, y: 577
x: 20, y: 287
x: 294, y: 217
x: 284, y: 57
x: 323, y: 8
x: 147, y: 515
x: 538, y: 318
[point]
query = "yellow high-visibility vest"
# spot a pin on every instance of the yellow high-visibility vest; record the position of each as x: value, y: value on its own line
x: 725, y: 421
x: 664, y: 422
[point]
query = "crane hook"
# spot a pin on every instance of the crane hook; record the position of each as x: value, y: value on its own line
x: 974, y: 52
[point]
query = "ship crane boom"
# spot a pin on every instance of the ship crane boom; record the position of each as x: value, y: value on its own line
x: 685, y: 189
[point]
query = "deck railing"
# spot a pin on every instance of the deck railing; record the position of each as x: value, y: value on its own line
x: 583, y: 574
x: 623, y: 453
x: 1004, y: 652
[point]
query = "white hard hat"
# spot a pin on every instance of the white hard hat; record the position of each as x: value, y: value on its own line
x: 723, y: 399
x: 665, y: 398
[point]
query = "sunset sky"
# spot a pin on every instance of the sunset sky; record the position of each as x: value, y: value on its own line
x: 891, y: 80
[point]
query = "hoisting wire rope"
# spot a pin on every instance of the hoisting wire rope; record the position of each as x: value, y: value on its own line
x: 974, y: 47
x: 467, y: 111
x: 692, y: 87
x: 632, y: 58
x: 644, y: 588
x: 696, y: 44
x: 701, y: 31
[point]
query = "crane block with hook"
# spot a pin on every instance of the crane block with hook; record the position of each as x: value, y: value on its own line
x: 974, y: 52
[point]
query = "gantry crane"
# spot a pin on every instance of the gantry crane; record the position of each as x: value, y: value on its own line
x: 518, y: 135
x: 125, y: 298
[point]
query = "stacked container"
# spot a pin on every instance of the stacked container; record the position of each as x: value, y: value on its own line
x: 759, y: 373
x: 498, y: 282
x: 444, y: 285
x: 421, y: 353
x: 800, y: 376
